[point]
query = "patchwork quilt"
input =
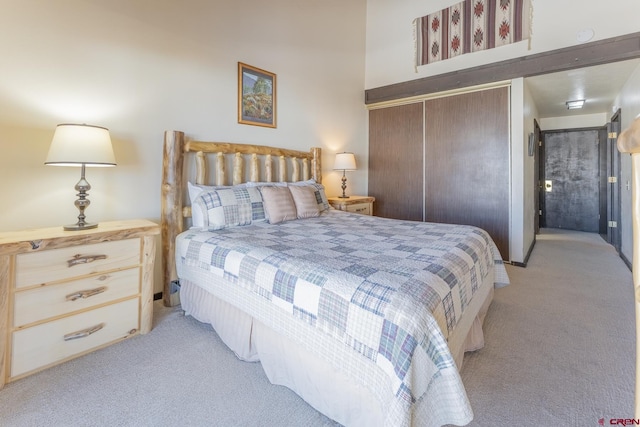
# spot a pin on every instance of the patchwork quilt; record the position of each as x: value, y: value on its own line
x: 393, y: 291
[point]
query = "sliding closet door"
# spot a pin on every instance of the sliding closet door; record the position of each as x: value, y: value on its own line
x: 395, y: 161
x: 467, y: 162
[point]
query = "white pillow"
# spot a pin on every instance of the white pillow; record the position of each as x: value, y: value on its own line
x: 265, y: 184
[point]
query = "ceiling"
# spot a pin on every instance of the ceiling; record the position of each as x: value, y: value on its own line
x: 598, y: 85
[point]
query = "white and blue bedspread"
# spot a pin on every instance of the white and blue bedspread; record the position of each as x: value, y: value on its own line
x: 393, y: 291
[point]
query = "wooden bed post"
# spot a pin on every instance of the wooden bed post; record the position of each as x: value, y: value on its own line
x: 173, y: 186
x: 316, y: 164
x: 171, y: 212
x: 629, y: 142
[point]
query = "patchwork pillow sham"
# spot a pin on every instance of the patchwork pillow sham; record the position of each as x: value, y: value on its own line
x: 228, y: 207
x: 195, y: 189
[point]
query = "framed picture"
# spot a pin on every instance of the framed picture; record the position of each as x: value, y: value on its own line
x: 256, y: 96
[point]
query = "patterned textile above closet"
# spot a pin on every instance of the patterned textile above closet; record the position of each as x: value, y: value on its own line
x: 471, y: 26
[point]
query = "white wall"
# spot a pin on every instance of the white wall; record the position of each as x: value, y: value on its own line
x: 523, y: 212
x: 140, y: 68
x: 517, y: 152
x: 530, y: 213
x: 390, y: 46
x: 629, y: 103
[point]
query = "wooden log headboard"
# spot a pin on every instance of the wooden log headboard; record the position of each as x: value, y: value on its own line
x: 174, y: 213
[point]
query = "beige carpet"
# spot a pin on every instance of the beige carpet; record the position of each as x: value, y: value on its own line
x: 560, y: 340
x: 560, y: 351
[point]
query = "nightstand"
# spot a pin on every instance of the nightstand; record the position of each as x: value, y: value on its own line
x: 67, y: 293
x: 358, y: 204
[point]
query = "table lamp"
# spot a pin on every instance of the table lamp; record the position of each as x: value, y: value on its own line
x: 81, y: 145
x: 344, y: 162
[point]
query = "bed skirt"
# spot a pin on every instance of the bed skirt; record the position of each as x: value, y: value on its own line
x: 318, y: 382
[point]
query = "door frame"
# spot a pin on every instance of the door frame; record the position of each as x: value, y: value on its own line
x: 613, y: 188
x: 537, y: 184
x: 542, y: 208
x: 542, y: 171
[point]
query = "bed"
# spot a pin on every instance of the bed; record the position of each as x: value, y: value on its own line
x: 366, y: 318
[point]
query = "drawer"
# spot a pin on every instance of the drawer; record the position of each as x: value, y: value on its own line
x: 45, y: 344
x: 361, y: 208
x: 59, y: 264
x: 49, y: 301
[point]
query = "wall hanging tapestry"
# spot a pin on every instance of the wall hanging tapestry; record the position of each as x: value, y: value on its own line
x: 471, y: 26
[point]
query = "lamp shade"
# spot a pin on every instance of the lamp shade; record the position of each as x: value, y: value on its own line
x: 77, y: 145
x: 345, y: 161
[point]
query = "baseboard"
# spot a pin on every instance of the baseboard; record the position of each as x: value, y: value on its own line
x: 626, y: 261
x: 526, y: 258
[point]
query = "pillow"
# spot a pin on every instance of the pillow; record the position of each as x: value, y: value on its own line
x: 321, y: 196
x: 307, y: 182
x: 195, y: 189
x: 265, y: 184
x: 228, y: 207
x: 278, y: 204
x: 304, y: 197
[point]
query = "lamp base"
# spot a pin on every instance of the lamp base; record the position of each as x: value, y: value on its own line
x: 82, y: 203
x: 343, y: 197
x: 78, y: 226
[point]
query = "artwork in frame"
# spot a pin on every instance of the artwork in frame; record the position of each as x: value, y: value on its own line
x: 256, y: 96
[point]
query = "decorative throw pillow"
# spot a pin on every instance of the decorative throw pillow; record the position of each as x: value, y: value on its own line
x: 321, y: 196
x: 278, y: 204
x: 228, y: 207
x: 304, y: 197
x: 194, y: 190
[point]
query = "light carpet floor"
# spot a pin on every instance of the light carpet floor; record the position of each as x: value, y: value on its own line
x: 560, y: 350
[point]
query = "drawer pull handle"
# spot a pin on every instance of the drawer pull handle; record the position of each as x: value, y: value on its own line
x: 79, y: 259
x: 83, y: 333
x: 86, y: 294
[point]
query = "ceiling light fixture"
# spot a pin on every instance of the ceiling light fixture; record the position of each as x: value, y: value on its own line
x: 573, y: 105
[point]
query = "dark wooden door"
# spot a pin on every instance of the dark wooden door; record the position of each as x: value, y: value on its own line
x: 572, y: 171
x: 467, y: 162
x: 395, y: 161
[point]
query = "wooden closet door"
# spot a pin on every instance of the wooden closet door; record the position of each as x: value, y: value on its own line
x: 396, y: 161
x: 467, y: 162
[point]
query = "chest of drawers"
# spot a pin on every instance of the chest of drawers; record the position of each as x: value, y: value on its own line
x: 356, y: 204
x: 66, y: 293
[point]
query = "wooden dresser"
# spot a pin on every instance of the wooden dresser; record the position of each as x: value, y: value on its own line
x: 357, y: 204
x: 67, y: 293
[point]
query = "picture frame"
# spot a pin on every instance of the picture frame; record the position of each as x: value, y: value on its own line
x: 256, y: 96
